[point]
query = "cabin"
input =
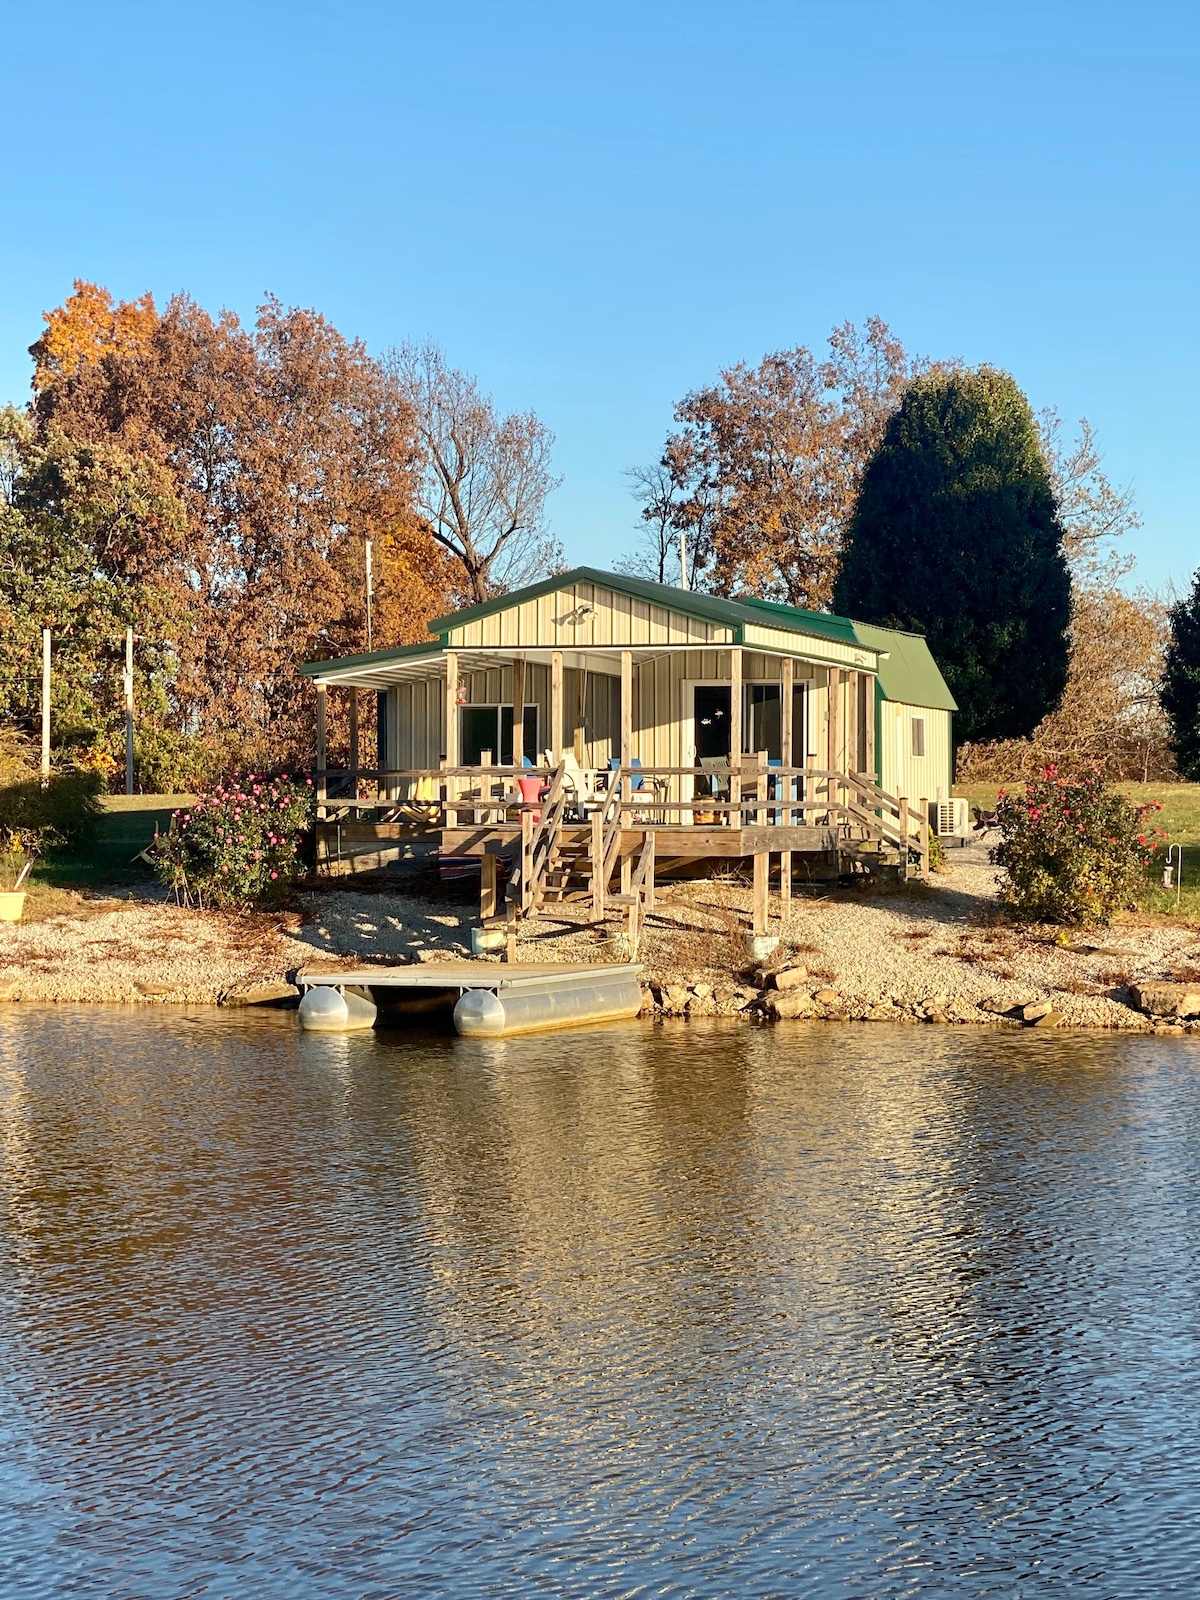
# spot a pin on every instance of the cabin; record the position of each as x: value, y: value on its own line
x: 595, y: 724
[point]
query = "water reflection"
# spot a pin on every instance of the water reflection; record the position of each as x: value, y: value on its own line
x: 693, y: 1310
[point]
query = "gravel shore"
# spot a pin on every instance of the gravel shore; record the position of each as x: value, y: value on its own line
x: 939, y: 953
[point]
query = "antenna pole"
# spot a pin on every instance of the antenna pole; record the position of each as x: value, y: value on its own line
x: 370, y: 591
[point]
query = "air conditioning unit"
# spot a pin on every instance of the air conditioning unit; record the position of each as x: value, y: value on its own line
x: 950, y: 819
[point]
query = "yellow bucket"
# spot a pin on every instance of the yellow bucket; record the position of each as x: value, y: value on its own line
x: 12, y: 904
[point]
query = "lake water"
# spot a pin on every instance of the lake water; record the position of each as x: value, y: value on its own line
x: 695, y: 1310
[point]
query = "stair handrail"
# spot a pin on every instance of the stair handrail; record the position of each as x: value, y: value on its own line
x: 544, y: 847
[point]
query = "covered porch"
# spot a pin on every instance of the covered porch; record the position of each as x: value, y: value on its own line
x: 581, y: 774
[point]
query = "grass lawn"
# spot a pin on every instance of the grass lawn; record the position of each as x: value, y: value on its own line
x: 1180, y: 821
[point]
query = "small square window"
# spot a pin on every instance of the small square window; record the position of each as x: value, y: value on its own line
x: 918, y: 736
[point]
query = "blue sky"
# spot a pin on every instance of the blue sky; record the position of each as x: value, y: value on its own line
x: 595, y: 208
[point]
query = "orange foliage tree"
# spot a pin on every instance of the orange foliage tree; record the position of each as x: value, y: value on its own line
x: 288, y: 448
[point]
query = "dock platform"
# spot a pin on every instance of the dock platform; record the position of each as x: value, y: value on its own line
x: 486, y: 999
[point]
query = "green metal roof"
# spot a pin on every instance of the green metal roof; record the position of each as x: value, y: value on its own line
x: 909, y: 672
x: 708, y: 607
x: 312, y: 669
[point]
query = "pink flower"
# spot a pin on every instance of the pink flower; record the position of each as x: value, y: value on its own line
x: 274, y: 874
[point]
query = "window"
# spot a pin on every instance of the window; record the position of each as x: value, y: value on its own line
x: 918, y: 736
x: 483, y: 728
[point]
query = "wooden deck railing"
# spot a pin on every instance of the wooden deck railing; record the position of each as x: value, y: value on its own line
x: 751, y: 795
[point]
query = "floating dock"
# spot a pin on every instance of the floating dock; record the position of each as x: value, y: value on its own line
x: 487, y: 1000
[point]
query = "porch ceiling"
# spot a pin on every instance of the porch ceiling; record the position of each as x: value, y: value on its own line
x: 603, y: 659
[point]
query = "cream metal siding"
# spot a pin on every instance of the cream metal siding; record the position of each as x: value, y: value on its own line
x: 917, y: 777
x: 811, y: 645
x: 584, y: 614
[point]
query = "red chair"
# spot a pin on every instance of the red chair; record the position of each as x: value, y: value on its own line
x: 532, y: 790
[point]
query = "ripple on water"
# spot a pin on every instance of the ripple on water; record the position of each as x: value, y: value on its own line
x: 691, y: 1310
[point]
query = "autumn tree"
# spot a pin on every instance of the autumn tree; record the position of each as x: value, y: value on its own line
x: 956, y: 535
x: 285, y: 448
x: 1110, y: 714
x: 764, y: 465
x: 484, y: 477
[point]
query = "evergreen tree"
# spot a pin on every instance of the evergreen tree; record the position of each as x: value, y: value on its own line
x: 1180, y: 694
x: 956, y: 534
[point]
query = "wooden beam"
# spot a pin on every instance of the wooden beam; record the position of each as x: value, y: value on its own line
x: 597, y: 854
x: 556, y: 707
x: 518, y: 692
x: 651, y: 847
x: 852, y: 722
x: 580, y: 705
x: 787, y: 675
x: 924, y: 837
x: 451, y: 735
x: 320, y: 743
x: 450, y: 732
x: 833, y: 699
x: 785, y: 875
x: 487, y: 887
x: 762, y: 868
x: 626, y: 708
x: 870, y: 716
x: 735, y: 706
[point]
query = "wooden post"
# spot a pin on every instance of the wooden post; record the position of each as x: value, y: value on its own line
x: 556, y: 707
x: 761, y: 815
x: 518, y: 692
x: 762, y: 867
x: 903, y: 806
x: 633, y: 924
x: 735, y: 707
x: 833, y: 699
x: 526, y: 858
x: 510, y: 931
x: 580, y: 705
x: 924, y: 837
x: 485, y: 787
x: 869, y: 715
x: 626, y: 709
x: 852, y: 722
x: 650, y: 865
x: 785, y: 875
x: 626, y: 874
x: 320, y: 748
x: 451, y: 736
x: 354, y: 738
x: 487, y: 887
x: 128, y: 710
x: 787, y: 677
x: 45, y: 702
x: 598, y: 883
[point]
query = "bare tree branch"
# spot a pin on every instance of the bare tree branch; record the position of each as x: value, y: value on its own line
x: 486, y: 478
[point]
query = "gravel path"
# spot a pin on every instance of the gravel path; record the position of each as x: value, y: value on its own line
x: 941, y: 949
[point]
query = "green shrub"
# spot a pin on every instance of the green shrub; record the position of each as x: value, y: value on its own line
x: 1074, y: 850
x: 59, y: 813
x: 245, y: 843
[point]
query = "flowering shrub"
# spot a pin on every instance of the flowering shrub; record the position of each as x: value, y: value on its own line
x: 1074, y: 850
x: 243, y: 844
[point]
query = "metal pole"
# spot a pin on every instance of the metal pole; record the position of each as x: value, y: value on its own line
x: 129, y: 711
x: 370, y: 588
x: 45, y: 702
